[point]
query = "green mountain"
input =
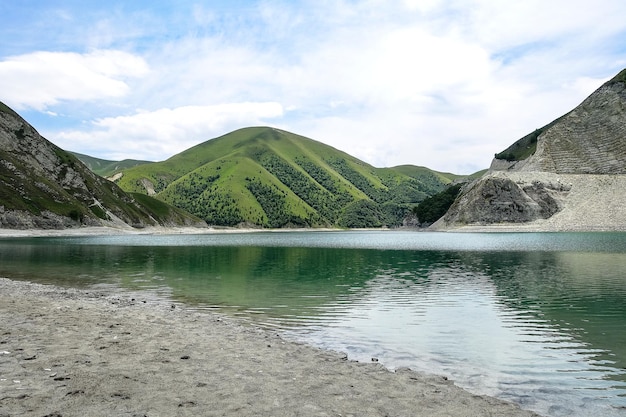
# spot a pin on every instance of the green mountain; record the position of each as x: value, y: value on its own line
x: 43, y: 186
x: 106, y: 168
x: 272, y: 178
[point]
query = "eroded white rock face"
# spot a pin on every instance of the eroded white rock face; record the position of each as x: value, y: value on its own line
x: 591, y: 139
x: 147, y: 184
x: 575, y: 180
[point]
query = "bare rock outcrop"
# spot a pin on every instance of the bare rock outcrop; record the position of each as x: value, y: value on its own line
x: 497, y: 198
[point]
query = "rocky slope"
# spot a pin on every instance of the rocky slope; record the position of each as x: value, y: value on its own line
x: 568, y: 175
x: 42, y: 186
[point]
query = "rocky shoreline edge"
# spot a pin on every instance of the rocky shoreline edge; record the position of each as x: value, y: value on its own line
x: 74, y: 352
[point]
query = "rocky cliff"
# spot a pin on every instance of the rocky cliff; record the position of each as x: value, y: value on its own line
x: 568, y: 175
x: 42, y: 186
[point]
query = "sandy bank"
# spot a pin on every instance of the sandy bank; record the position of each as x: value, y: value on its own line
x: 67, y: 352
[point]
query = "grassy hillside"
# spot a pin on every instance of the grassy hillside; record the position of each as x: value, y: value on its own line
x: 106, y: 168
x: 272, y: 178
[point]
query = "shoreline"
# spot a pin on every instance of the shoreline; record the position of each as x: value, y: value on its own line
x: 534, y: 227
x: 72, y: 352
x: 154, y: 230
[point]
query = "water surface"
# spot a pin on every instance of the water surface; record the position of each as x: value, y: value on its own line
x: 534, y: 318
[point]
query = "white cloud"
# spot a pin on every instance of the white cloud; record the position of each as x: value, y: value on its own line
x: 411, y: 63
x: 159, y: 134
x: 423, y: 6
x: 444, y: 84
x: 42, y: 79
x: 506, y: 24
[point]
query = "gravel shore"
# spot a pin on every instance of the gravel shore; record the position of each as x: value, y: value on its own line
x: 69, y: 352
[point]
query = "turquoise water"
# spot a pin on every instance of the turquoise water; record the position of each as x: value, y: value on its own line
x: 534, y: 318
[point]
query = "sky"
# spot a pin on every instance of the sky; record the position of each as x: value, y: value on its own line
x: 435, y: 83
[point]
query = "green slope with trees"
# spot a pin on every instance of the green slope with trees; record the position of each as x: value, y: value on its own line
x: 434, y: 207
x: 272, y: 178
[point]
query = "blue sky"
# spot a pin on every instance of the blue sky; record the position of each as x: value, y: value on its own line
x: 443, y: 84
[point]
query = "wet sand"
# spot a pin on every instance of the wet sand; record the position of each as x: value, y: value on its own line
x: 70, y: 352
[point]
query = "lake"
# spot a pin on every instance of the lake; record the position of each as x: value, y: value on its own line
x: 534, y: 318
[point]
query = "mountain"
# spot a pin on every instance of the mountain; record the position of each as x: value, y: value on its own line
x: 567, y: 175
x: 272, y: 178
x: 106, y: 168
x: 43, y: 186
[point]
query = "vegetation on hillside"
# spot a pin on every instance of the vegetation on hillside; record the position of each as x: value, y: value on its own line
x: 434, y: 207
x: 522, y: 148
x: 526, y: 146
x: 619, y: 78
x: 272, y: 178
x: 361, y: 214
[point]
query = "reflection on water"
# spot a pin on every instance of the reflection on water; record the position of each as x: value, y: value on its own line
x: 539, y: 319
